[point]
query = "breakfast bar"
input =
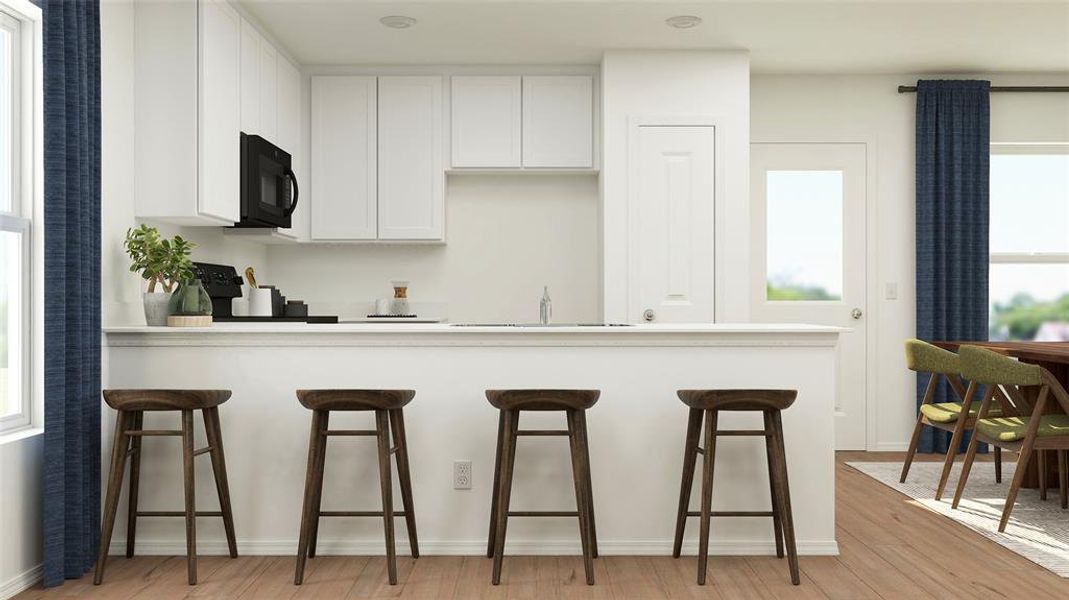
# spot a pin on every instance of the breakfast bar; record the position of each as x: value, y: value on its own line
x: 636, y: 431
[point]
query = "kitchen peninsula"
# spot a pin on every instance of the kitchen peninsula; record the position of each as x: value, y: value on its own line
x: 636, y: 429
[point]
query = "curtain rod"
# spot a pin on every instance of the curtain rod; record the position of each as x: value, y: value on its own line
x: 907, y: 89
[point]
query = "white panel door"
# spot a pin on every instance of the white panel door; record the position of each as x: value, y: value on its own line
x: 219, y: 149
x: 344, y: 171
x: 671, y: 224
x: 558, y: 121
x: 289, y: 138
x: 250, y: 78
x: 808, y: 256
x: 269, y: 92
x: 411, y: 171
x: 486, y: 121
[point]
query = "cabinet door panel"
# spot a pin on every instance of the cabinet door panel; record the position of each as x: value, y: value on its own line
x: 343, y: 162
x: 250, y: 78
x: 411, y: 173
x: 268, y: 92
x: 485, y: 121
x: 220, y: 110
x: 289, y: 137
x: 558, y: 121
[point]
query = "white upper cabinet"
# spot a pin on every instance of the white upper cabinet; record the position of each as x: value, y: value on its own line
x: 344, y: 158
x: 187, y: 112
x: 259, y: 84
x: 250, y: 78
x: 289, y: 139
x: 558, y: 121
x: 486, y: 120
x: 411, y: 199
x: 220, y: 111
x: 269, y: 92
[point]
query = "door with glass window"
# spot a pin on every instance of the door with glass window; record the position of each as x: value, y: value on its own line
x: 809, y: 256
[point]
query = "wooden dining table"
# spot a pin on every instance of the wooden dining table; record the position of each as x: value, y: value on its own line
x: 1052, y: 356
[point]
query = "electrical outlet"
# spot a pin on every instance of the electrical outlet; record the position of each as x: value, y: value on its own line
x: 461, y: 474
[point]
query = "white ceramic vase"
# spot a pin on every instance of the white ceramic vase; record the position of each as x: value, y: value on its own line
x: 156, y: 310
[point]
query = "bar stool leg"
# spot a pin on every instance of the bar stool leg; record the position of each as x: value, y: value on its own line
x: 770, y: 450
x: 998, y: 464
x: 111, y: 501
x: 584, y: 445
x: 397, y: 423
x: 504, y: 491
x: 313, y: 474
x: 214, y: 432
x: 1041, y: 464
x: 320, y: 467
x: 191, y: 497
x: 1063, y: 489
x: 497, y: 483
x: 690, y: 460
x: 707, y: 493
x: 784, y: 492
x: 382, y: 426
x: 578, y: 478
x: 138, y: 419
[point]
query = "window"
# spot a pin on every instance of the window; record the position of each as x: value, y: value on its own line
x: 1029, y: 276
x: 805, y: 235
x: 20, y: 237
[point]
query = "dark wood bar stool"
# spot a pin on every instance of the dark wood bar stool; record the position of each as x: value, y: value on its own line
x: 707, y: 404
x: 574, y: 404
x: 387, y: 405
x: 131, y: 406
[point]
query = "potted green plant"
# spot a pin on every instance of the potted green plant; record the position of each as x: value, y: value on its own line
x: 160, y: 261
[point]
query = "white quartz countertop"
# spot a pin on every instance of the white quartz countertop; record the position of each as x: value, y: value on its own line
x: 448, y: 328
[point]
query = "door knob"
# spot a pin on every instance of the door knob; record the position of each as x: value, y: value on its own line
x: 856, y: 313
x: 648, y: 315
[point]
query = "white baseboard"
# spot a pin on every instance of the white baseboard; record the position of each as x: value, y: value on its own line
x: 21, y: 582
x: 891, y: 447
x: 374, y: 547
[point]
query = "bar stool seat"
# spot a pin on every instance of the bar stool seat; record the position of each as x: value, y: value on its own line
x: 574, y: 404
x: 355, y: 399
x: 705, y: 407
x: 129, y: 432
x: 165, y: 399
x: 741, y: 400
x: 389, y: 417
x: 542, y: 399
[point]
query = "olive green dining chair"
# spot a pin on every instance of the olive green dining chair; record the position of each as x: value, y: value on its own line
x: 923, y: 357
x: 1037, y: 431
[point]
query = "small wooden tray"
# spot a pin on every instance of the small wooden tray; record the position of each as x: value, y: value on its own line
x: 189, y: 321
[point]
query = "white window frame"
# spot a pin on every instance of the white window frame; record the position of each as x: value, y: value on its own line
x: 27, y: 214
x: 1029, y: 258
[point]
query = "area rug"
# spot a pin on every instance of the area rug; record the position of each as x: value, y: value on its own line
x: 1038, y: 531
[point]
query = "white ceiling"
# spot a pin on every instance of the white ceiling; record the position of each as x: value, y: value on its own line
x: 788, y: 36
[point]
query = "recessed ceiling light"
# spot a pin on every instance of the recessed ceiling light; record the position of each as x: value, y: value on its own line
x: 683, y: 21
x: 397, y: 22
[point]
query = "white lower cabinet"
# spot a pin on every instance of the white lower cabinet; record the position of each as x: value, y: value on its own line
x: 344, y: 158
x: 377, y: 158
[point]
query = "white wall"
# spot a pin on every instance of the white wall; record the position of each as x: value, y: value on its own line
x: 507, y: 236
x: 21, y: 468
x: 665, y: 83
x: 869, y: 109
x: 121, y: 289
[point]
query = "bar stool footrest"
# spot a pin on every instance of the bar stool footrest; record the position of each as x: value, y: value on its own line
x: 177, y: 513
x: 543, y: 513
x: 732, y: 513
x: 358, y: 513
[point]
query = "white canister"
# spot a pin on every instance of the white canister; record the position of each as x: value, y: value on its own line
x: 239, y: 307
x: 260, y: 302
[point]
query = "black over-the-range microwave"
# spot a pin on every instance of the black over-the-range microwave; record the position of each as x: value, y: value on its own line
x: 268, y: 186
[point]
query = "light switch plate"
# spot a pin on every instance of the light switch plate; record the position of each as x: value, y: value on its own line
x: 891, y: 290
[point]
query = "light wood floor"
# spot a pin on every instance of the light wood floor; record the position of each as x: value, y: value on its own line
x: 889, y: 549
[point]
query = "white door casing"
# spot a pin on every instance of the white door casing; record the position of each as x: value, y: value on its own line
x: 845, y: 162
x: 671, y: 222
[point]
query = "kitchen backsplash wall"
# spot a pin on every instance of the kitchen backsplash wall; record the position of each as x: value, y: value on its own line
x: 507, y: 236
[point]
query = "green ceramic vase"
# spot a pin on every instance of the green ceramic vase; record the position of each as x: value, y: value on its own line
x: 190, y: 299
